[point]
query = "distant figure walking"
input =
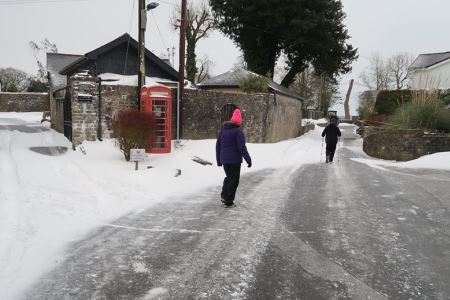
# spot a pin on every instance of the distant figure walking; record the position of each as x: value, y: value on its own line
x: 331, y: 134
x: 230, y: 149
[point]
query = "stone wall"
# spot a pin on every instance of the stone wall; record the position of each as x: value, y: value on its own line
x: 403, y: 145
x: 308, y: 127
x: 284, y: 119
x: 84, y: 100
x: 267, y: 118
x: 24, y: 102
x: 114, y: 99
x: 202, y: 114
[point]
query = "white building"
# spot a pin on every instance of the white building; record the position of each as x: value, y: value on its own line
x: 430, y: 71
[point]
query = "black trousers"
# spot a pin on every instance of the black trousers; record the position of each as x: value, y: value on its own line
x: 231, y: 182
x: 330, y: 149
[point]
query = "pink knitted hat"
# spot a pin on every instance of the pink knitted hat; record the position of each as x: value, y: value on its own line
x: 236, y: 118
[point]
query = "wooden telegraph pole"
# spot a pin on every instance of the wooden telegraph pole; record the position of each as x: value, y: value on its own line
x: 181, y: 67
x: 141, y: 51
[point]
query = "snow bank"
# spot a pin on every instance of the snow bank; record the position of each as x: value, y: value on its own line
x: 439, y: 161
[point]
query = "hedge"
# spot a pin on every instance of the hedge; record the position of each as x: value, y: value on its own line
x: 387, y: 102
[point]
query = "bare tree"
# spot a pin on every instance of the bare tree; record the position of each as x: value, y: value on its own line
x: 327, y: 93
x: 240, y: 63
x: 377, y: 75
x: 398, y: 68
x: 318, y: 90
x: 40, y: 49
x: 203, y: 68
x: 198, y: 25
x: 13, y: 80
x: 302, y: 85
x: 385, y: 74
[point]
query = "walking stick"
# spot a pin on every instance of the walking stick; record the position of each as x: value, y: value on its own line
x: 339, y: 147
x: 321, y: 150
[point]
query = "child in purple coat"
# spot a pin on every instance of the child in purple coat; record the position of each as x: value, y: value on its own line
x: 230, y: 149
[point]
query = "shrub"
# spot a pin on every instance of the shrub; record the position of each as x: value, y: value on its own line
x: 255, y: 84
x: 426, y: 111
x: 443, y: 121
x: 388, y: 102
x: 133, y: 130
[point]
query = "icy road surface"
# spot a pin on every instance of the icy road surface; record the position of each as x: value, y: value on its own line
x: 342, y: 231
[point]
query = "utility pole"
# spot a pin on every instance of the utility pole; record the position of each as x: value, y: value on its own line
x: 181, y: 66
x: 141, y: 51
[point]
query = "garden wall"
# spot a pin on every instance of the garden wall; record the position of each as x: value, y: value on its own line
x: 24, y: 102
x: 403, y: 145
x: 267, y: 118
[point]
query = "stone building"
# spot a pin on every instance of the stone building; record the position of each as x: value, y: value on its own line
x: 88, y: 90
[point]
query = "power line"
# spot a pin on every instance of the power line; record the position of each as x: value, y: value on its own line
x: 167, y: 2
x: 160, y: 35
x: 129, y: 34
x: 11, y: 2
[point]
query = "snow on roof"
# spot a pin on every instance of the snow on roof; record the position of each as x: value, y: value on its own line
x: 428, y: 60
x: 234, y: 77
x: 132, y: 80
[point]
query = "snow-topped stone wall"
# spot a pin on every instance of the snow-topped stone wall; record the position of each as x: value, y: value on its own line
x: 268, y: 118
x: 403, y: 145
x: 24, y: 102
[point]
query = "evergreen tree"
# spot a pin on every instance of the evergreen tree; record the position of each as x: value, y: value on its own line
x: 307, y: 31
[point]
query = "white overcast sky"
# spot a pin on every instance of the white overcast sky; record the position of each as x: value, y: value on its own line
x: 79, y: 26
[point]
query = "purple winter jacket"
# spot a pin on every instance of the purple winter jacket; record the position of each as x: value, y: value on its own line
x: 230, y: 146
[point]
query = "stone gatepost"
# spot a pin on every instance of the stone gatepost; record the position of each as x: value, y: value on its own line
x: 84, y: 100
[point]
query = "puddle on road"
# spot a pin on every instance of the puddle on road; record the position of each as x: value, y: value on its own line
x: 50, y: 151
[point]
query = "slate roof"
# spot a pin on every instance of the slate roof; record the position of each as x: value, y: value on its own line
x: 231, y: 79
x: 424, y: 61
x: 55, y: 63
x: 125, y: 38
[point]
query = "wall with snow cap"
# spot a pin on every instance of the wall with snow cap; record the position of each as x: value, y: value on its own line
x: 24, y: 102
x: 404, y: 144
x: 267, y: 118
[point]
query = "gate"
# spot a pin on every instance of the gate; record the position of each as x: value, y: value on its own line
x: 67, y: 111
x: 227, y: 112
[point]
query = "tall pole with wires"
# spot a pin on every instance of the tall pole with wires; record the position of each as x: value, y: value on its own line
x: 181, y: 67
x: 141, y: 50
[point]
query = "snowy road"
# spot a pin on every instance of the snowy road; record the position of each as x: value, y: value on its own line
x: 319, y: 232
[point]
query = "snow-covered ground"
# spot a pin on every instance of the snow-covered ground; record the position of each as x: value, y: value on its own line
x: 48, y: 201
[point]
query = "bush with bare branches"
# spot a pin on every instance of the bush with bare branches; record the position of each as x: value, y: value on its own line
x: 133, y: 130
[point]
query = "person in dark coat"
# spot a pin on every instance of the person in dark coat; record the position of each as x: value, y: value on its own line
x: 331, y: 134
x: 230, y: 149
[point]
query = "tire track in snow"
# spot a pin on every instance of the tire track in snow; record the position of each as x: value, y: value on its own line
x: 9, y: 205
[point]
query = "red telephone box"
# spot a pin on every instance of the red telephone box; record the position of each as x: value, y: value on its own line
x: 158, y: 100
